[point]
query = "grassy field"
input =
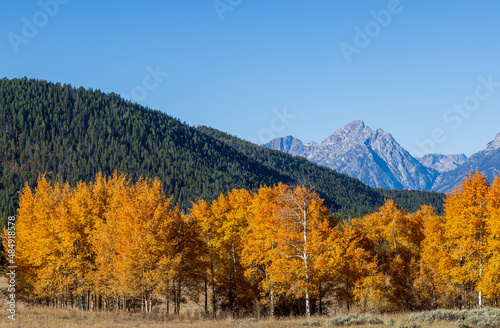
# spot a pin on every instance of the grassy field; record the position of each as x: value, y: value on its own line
x: 43, y: 317
x: 57, y: 318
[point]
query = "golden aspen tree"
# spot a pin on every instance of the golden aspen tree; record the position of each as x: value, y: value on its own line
x: 224, y: 226
x: 490, y: 283
x: 432, y: 285
x: 181, y: 266
x: 141, y: 223
x: 201, y: 214
x: 132, y: 239
x: 77, y: 227
x: 347, y: 260
x: 302, y: 234
x: 466, y: 236
x: 47, y: 237
x: 105, y: 204
x: 260, y: 247
x: 231, y: 220
x: 25, y: 238
x: 393, y: 238
x: 106, y: 238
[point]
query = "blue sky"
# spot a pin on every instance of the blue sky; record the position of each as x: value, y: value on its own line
x: 426, y: 71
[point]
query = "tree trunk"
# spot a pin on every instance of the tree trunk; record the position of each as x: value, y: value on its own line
x: 306, y: 264
x: 235, y: 307
x: 206, y: 296
x: 271, y: 302
x: 214, y: 308
x: 320, y: 310
x: 308, y: 305
x: 178, y: 298
x: 168, y: 304
x: 480, y: 294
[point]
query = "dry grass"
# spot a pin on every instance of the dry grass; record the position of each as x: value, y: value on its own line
x: 67, y: 318
x: 43, y: 317
x: 3, y: 283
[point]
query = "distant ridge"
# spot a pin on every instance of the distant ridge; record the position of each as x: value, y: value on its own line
x: 379, y: 161
x: 486, y: 161
x: 374, y: 157
x: 442, y: 163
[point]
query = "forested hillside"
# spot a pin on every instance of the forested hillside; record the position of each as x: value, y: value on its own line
x: 71, y: 134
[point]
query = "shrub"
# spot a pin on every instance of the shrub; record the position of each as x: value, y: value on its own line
x: 310, y: 323
x: 408, y: 325
x: 462, y: 324
x: 354, y: 319
x: 487, y: 317
x: 436, y: 316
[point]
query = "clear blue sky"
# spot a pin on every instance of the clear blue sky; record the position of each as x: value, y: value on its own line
x: 236, y: 66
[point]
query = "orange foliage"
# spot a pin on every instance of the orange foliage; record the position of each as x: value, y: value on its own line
x: 114, y: 245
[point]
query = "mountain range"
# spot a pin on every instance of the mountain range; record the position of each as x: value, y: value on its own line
x: 378, y: 160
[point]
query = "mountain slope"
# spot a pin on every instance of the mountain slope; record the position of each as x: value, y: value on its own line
x: 374, y: 157
x: 486, y: 161
x: 71, y: 134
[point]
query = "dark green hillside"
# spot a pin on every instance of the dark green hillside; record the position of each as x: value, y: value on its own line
x: 71, y: 134
x: 412, y: 199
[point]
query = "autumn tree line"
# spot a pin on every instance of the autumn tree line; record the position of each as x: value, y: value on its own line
x: 114, y: 245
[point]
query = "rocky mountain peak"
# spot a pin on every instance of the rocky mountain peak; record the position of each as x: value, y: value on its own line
x: 373, y: 156
x: 355, y: 125
x: 354, y: 131
x: 290, y: 145
x: 494, y: 144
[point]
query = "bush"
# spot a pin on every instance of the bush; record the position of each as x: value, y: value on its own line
x: 487, y: 317
x: 310, y: 323
x: 354, y: 319
x: 436, y: 316
x: 408, y: 325
x: 462, y: 324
